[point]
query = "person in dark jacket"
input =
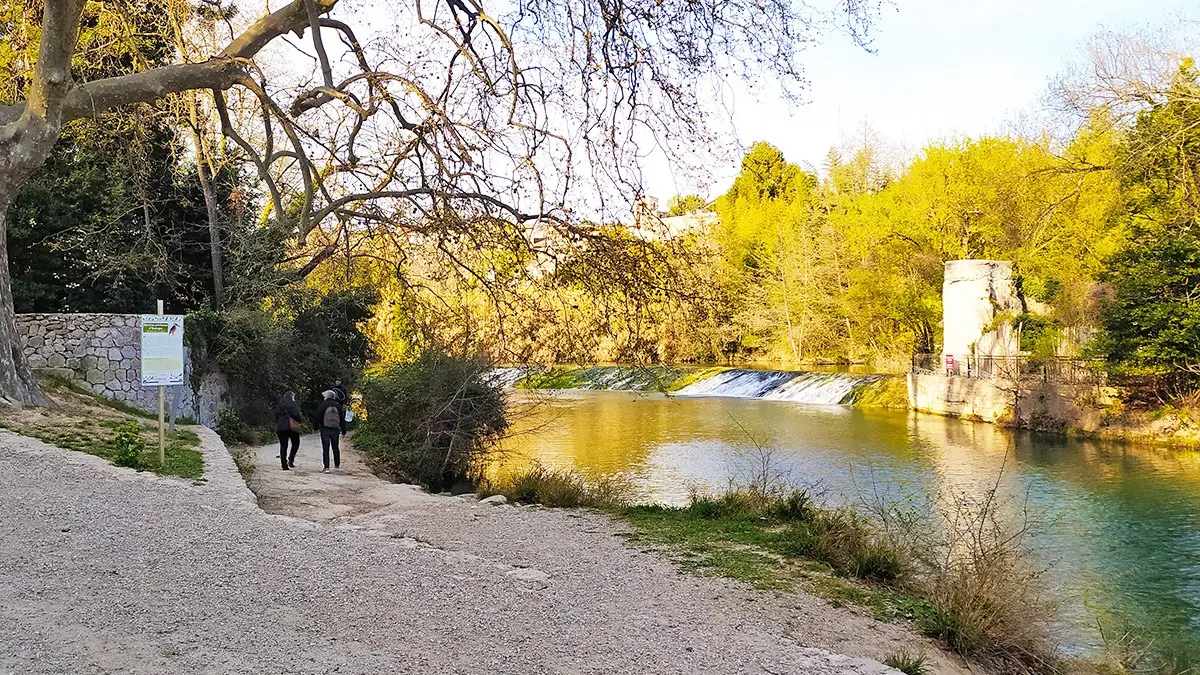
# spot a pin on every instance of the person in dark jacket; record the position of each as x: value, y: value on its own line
x: 340, y: 390
x: 331, y: 420
x: 287, y: 421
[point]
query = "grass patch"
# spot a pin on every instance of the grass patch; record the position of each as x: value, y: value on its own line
x: 628, y: 378
x: 243, y: 459
x: 966, y: 587
x: 693, y: 377
x: 558, y: 488
x: 910, y: 663
x: 889, y: 392
x: 1127, y: 651
x: 774, y: 542
x: 130, y: 443
x: 57, y: 382
x: 83, y: 421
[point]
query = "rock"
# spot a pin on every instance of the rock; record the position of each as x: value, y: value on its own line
x: 494, y: 500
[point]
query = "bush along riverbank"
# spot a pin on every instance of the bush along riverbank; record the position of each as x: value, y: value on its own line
x: 964, y: 579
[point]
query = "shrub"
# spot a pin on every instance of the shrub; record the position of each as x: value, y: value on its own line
x: 301, y: 342
x: 908, y: 662
x: 794, y: 505
x: 986, y: 600
x: 433, y: 421
x: 843, y: 540
x: 129, y: 446
x: 560, y: 488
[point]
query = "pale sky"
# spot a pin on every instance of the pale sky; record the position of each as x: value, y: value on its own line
x: 942, y: 69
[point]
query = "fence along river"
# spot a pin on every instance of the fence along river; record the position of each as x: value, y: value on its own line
x: 1120, y: 532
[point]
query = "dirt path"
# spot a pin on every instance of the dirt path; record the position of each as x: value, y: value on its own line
x: 577, y: 558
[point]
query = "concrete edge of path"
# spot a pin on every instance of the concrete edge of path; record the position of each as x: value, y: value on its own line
x: 221, y: 475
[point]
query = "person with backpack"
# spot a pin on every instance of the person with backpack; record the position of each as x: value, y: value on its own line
x: 331, y: 421
x: 287, y: 427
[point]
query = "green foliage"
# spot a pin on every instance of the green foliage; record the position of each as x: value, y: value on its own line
x: 1151, y: 321
x: 1040, y: 336
x: 302, y: 343
x: 112, y: 220
x: 129, y: 445
x: 683, y: 204
x: 910, y: 663
x: 432, y: 421
x: 852, y: 266
x: 889, y: 392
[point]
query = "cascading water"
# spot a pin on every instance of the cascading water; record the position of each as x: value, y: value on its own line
x: 738, y: 383
x: 775, y: 385
x: 505, y: 376
x: 821, y: 388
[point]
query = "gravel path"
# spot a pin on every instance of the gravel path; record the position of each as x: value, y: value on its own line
x: 109, y: 571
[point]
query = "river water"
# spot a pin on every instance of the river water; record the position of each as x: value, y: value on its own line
x: 1120, y: 524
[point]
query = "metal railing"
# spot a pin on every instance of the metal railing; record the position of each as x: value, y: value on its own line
x: 1054, y: 370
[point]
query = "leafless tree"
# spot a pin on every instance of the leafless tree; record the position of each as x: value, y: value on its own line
x: 454, y: 119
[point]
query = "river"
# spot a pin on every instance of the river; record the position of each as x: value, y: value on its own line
x: 1120, y: 530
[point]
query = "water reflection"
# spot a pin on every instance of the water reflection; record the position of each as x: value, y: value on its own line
x: 1122, y: 534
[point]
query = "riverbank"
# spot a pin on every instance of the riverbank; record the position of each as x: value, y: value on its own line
x: 590, y: 562
x: 109, y: 569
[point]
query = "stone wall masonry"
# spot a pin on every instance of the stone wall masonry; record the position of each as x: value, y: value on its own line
x: 102, y: 352
x: 1039, y: 405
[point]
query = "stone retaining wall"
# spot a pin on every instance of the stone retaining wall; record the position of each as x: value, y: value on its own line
x: 103, y: 353
x: 1039, y: 405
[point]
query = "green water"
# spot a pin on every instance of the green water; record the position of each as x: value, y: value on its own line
x: 1120, y: 536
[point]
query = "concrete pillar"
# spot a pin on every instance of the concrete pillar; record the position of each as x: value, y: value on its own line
x: 979, y: 300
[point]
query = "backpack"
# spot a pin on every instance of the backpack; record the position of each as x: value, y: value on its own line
x: 331, y: 418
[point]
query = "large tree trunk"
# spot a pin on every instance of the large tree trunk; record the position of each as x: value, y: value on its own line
x: 214, y: 227
x: 16, y: 379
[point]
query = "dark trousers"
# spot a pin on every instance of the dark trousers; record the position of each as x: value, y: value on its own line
x: 285, y: 458
x: 331, y: 438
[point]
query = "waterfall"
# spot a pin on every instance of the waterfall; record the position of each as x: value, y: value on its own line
x: 777, y: 385
x: 821, y: 388
x: 773, y: 385
x: 738, y: 383
x: 506, y: 376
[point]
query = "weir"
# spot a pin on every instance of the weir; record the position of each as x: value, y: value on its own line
x: 774, y: 385
x: 780, y: 385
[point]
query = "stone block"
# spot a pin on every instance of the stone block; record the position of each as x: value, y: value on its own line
x: 129, y: 351
x: 57, y: 361
x: 114, y: 354
x: 94, y: 377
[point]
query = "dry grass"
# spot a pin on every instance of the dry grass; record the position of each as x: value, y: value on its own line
x: 559, y: 488
x: 87, y: 423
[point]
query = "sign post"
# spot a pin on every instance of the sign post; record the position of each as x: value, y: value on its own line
x: 162, y: 362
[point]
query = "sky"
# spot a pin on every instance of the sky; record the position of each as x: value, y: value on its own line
x: 938, y: 70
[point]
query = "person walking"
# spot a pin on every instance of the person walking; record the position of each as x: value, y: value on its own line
x: 340, y: 390
x: 287, y: 427
x: 331, y: 420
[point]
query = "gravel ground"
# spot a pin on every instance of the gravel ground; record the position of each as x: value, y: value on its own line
x: 109, y: 571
